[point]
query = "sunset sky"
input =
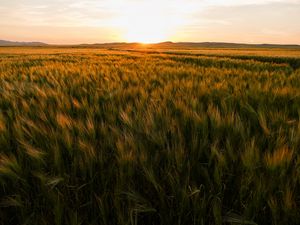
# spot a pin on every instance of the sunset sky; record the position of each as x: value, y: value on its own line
x: 98, y: 21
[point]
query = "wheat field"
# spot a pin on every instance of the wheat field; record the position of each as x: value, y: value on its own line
x: 149, y: 137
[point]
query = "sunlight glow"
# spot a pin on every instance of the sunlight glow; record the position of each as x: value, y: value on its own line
x: 145, y: 21
x: 145, y: 29
x: 148, y: 22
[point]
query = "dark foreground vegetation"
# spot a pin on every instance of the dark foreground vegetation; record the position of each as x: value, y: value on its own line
x: 115, y: 137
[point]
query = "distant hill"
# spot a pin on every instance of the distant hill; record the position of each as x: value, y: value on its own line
x: 186, y: 45
x: 162, y: 45
x: 15, y: 43
x: 219, y: 45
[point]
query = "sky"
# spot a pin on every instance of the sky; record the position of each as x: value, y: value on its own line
x: 101, y: 21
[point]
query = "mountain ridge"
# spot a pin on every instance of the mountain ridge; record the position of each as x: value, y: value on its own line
x: 17, y: 43
x: 166, y: 44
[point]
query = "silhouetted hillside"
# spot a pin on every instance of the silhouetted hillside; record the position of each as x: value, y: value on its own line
x: 187, y: 45
x: 15, y: 43
x: 162, y: 45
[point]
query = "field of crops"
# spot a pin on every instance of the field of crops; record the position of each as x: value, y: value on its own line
x: 97, y: 136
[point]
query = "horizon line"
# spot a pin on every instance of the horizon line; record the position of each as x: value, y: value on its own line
x: 153, y: 43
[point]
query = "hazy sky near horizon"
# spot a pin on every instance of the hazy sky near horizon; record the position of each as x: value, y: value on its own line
x: 96, y: 21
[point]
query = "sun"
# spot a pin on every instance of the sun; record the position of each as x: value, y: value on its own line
x: 147, y: 22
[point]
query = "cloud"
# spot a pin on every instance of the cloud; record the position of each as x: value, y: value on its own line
x: 276, y: 22
x: 283, y: 16
x: 55, y: 13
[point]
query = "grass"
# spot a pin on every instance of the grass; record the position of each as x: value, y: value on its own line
x: 96, y: 136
